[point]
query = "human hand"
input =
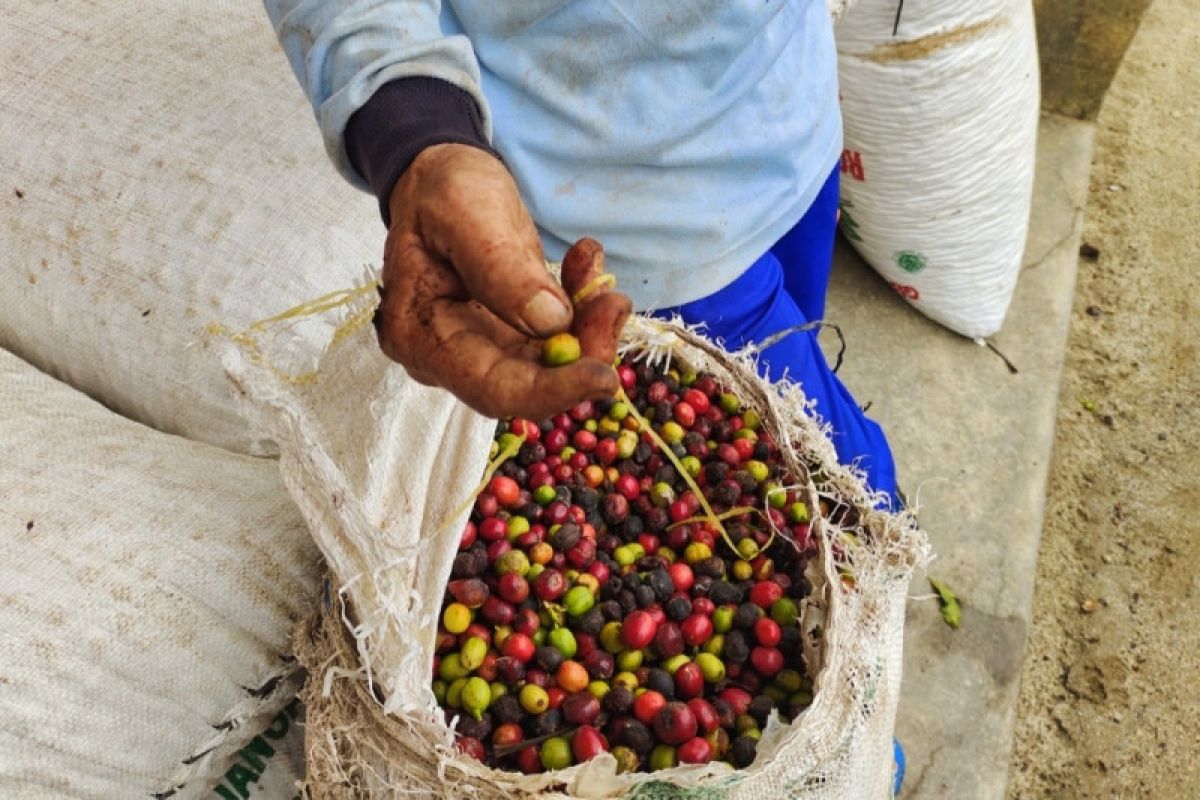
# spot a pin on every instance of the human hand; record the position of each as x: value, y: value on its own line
x: 467, y: 299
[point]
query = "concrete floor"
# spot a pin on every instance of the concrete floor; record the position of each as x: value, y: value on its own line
x: 973, y: 441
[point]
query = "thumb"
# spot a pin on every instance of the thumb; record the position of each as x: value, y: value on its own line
x: 511, y: 279
x: 499, y: 258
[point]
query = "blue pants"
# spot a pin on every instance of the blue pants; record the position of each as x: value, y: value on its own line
x: 784, y: 288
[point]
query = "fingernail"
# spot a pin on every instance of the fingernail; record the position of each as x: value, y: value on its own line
x: 546, y: 313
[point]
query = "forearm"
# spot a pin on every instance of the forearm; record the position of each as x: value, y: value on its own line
x: 344, y: 51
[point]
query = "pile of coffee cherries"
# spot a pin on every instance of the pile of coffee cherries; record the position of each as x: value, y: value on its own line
x: 595, y: 605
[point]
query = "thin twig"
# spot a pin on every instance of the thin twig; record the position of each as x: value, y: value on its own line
x: 1011, y: 366
x: 505, y: 750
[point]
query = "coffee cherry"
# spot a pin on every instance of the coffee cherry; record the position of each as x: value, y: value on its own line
x: 528, y: 760
x: 674, y: 723
x: 519, y: 646
x: 581, y: 708
x: 647, y: 705
x: 767, y: 632
x: 555, y: 753
x: 695, y: 751
x: 711, y: 667
x: 696, y: 630
x: 689, y: 681
x: 534, y: 699
x: 548, y: 657
x: 765, y: 593
x: 561, y: 349
x: 513, y: 588
x: 572, y: 677
x: 743, y: 751
x: 638, y: 630
x: 766, y: 660
x: 587, y: 743
x: 470, y: 747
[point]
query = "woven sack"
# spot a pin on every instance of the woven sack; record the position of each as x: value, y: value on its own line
x: 147, y: 595
x: 271, y: 765
x: 167, y: 175
x: 940, y: 102
x: 384, y: 472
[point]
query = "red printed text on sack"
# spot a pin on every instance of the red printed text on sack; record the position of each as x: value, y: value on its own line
x: 852, y: 165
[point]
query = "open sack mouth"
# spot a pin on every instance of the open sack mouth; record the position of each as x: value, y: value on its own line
x: 680, y: 586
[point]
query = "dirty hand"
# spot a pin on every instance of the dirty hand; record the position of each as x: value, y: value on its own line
x: 467, y: 300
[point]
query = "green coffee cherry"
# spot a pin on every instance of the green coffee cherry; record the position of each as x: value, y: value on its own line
x: 472, y: 653
x: 476, y: 697
x: 578, y: 601
x: 555, y: 753
x: 534, y: 699
x: 711, y: 667
x: 785, y: 612
x: 562, y: 640
x: 452, y: 668
x: 454, y: 693
x: 662, y: 757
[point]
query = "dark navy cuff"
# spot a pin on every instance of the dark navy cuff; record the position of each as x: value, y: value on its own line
x: 400, y: 120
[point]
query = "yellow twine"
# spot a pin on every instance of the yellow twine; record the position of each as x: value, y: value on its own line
x: 644, y: 424
x: 733, y: 512
x: 248, y: 341
x: 603, y: 279
x: 504, y: 455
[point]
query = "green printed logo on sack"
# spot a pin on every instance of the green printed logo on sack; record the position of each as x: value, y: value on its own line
x: 662, y: 790
x: 910, y: 261
x: 240, y: 778
x: 849, y: 226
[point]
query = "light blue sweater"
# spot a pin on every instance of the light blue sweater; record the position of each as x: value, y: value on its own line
x: 687, y: 136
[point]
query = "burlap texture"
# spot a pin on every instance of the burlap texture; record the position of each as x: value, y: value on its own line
x: 163, y: 172
x: 148, y: 589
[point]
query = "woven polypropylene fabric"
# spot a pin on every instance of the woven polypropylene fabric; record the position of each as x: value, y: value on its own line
x: 147, y: 595
x: 940, y: 101
x: 168, y: 175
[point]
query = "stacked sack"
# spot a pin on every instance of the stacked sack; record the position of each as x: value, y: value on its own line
x: 940, y: 101
x: 147, y: 596
x: 162, y: 176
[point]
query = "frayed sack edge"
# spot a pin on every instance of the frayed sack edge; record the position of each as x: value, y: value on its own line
x: 866, y: 556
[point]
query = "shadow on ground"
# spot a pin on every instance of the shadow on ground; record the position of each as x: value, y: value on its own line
x: 1082, y: 43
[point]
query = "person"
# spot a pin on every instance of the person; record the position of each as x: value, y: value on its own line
x: 697, y: 140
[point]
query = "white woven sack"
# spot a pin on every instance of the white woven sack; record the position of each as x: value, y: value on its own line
x: 839, y: 7
x: 384, y: 472
x: 168, y: 175
x: 148, y: 590
x: 941, y: 126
